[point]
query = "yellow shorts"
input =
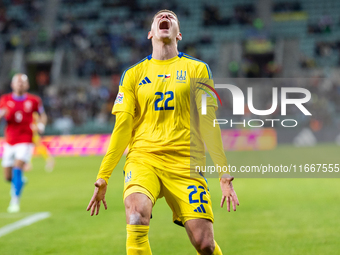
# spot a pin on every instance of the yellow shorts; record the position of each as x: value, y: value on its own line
x: 188, y: 198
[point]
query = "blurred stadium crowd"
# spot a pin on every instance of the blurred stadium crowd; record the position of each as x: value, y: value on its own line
x: 100, y: 39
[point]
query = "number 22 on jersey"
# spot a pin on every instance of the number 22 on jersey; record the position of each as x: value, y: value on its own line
x: 169, y: 96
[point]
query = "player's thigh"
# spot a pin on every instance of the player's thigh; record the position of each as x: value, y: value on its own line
x: 23, y: 153
x: 8, y: 173
x: 201, y: 233
x: 141, y: 178
x: 189, y: 198
x: 8, y: 156
x: 138, y: 209
x: 141, y: 190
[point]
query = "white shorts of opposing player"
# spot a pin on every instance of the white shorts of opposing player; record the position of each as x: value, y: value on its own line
x: 19, y: 151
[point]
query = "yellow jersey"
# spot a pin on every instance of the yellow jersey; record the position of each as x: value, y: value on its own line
x: 164, y: 103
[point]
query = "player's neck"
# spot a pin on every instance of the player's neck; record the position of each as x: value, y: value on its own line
x: 16, y: 94
x: 163, y: 51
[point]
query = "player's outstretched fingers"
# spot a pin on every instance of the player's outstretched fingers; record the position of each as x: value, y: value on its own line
x: 98, y: 207
x: 228, y: 203
x: 236, y: 198
x: 104, y: 202
x: 93, y: 208
x: 90, y: 205
x: 222, y: 201
x: 234, y: 202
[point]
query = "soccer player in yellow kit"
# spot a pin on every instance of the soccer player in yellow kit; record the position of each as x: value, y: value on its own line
x: 153, y: 116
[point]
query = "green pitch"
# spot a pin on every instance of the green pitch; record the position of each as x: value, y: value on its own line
x: 276, y: 216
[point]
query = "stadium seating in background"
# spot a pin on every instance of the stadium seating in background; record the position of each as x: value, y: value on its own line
x: 102, y: 38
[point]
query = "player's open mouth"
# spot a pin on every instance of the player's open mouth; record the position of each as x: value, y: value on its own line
x: 164, y: 24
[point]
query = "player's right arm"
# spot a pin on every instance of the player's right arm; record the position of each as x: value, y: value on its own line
x: 124, y: 109
x: 2, y: 112
x: 120, y: 139
x: 3, y: 109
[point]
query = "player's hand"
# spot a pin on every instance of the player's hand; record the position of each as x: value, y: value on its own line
x: 41, y: 128
x: 3, y: 112
x: 98, y: 196
x: 228, y: 192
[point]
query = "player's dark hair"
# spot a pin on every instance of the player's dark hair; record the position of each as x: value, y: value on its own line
x: 165, y: 10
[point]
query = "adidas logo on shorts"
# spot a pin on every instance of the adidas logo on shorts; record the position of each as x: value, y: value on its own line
x: 200, y: 209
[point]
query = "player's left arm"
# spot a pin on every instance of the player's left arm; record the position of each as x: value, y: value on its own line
x: 42, y: 117
x: 213, y: 140
x: 41, y: 123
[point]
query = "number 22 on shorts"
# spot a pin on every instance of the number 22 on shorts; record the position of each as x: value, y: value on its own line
x: 195, y: 190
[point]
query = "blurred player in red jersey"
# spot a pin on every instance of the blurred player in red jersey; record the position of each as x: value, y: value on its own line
x: 40, y: 148
x: 18, y: 108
